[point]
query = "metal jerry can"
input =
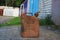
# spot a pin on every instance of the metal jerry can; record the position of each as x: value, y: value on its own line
x: 30, y: 23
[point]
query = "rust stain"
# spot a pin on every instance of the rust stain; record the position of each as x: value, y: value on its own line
x: 1, y: 12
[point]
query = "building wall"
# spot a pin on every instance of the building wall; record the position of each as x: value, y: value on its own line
x: 31, y: 7
x: 25, y: 5
x: 16, y: 12
x: 34, y: 6
x: 10, y: 11
x: 45, y: 8
x: 56, y: 11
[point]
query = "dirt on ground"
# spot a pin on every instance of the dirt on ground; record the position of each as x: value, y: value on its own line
x: 14, y: 33
x: 4, y: 19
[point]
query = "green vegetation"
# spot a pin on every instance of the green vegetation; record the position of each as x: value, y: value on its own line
x: 2, y: 2
x: 14, y: 3
x: 42, y: 22
x: 48, y: 20
x: 45, y: 22
x: 1, y: 25
x: 15, y: 21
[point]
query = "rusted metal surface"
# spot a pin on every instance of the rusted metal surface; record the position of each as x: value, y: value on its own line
x: 1, y: 12
x: 30, y: 26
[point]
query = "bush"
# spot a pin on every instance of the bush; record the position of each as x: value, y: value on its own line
x: 42, y: 22
x: 48, y: 20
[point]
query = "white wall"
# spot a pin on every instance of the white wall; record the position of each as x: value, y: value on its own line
x: 1, y: 7
x: 44, y: 8
x: 10, y: 11
x: 16, y: 12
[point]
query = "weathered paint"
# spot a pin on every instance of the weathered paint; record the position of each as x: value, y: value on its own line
x: 1, y: 12
x: 25, y: 5
x: 33, y: 6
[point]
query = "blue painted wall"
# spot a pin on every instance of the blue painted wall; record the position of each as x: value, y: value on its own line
x: 33, y: 6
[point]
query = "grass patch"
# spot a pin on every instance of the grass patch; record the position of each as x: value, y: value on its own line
x: 1, y: 25
x: 15, y: 21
